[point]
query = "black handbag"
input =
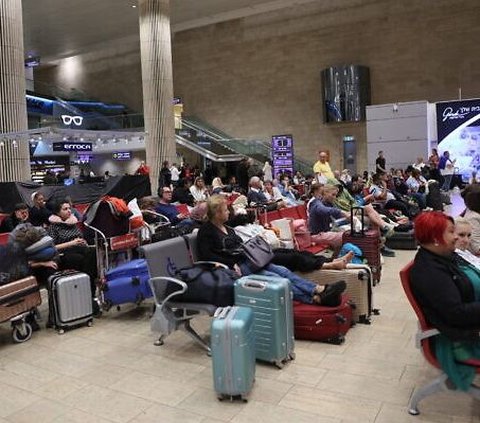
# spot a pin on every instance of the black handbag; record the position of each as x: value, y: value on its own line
x: 207, y: 284
x: 257, y: 252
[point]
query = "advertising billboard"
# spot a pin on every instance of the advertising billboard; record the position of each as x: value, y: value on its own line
x: 458, y: 128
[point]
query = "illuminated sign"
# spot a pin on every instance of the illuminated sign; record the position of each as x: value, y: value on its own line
x: 68, y: 120
x: 282, y: 152
x: 72, y: 146
x: 122, y: 155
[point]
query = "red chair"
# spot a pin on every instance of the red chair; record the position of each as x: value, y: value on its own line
x: 81, y: 207
x: 302, y: 211
x: 422, y: 340
x: 4, y: 238
x: 265, y: 218
x: 289, y: 212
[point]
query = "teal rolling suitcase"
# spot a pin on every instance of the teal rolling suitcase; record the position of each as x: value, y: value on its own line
x: 233, y: 352
x: 271, y: 301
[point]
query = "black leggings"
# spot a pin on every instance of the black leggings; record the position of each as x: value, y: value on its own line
x: 83, y: 259
x: 397, y: 205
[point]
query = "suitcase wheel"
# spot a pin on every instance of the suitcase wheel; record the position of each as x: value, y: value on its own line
x: 61, y: 331
x: 339, y: 340
x: 107, y: 305
x: 21, y: 332
x: 376, y: 311
x: 292, y: 356
x: 90, y: 323
x: 364, y: 320
x: 279, y: 364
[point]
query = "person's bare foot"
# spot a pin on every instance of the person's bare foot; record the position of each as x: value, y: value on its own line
x: 340, y: 263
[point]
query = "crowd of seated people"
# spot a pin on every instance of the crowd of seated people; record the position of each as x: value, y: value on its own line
x: 325, y: 202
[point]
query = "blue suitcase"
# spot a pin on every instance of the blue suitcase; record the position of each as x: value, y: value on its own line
x: 271, y: 301
x: 127, y: 283
x: 233, y: 352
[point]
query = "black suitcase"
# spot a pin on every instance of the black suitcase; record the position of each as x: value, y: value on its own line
x: 402, y: 241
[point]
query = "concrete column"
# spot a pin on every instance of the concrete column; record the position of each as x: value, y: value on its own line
x: 14, y: 151
x: 156, y: 57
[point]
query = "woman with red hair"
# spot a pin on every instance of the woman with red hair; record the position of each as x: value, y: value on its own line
x: 446, y: 295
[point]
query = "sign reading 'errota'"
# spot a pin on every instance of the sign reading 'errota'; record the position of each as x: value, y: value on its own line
x: 72, y: 146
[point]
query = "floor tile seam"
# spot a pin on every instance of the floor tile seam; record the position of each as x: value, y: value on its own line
x: 400, y: 384
x: 154, y: 402
x: 377, y: 404
x: 344, y: 394
x: 56, y: 374
x: 366, y: 360
x: 312, y: 414
x: 214, y: 397
x: 143, y: 411
x: 35, y: 402
x: 372, y: 376
x: 145, y: 373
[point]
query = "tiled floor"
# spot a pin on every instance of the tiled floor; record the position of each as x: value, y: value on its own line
x: 113, y: 373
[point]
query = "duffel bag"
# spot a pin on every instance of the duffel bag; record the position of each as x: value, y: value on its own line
x: 207, y: 284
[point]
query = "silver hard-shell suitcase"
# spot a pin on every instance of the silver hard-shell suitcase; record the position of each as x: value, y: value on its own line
x: 70, y: 300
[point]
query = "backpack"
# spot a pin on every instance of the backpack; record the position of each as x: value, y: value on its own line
x: 13, y: 263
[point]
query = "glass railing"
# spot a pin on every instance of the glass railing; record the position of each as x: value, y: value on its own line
x: 98, y: 122
x: 61, y: 92
x: 260, y: 150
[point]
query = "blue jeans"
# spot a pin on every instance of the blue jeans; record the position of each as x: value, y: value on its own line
x: 447, y: 180
x: 303, y: 290
x: 421, y: 199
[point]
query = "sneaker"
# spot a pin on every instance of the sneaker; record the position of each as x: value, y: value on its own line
x: 387, y: 252
x: 331, y: 296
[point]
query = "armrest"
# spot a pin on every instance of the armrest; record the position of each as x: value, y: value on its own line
x: 165, y: 280
x: 154, y: 213
x: 212, y: 263
x: 425, y: 334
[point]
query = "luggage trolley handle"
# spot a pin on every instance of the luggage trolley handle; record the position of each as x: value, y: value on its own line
x: 353, y: 212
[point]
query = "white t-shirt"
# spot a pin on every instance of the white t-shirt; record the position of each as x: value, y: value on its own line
x: 175, y: 174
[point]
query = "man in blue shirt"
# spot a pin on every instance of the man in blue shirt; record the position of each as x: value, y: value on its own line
x: 321, y: 213
x: 169, y: 210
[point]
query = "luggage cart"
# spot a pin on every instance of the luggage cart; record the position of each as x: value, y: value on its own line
x: 17, y: 300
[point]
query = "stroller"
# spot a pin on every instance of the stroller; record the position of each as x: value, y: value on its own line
x: 122, y: 277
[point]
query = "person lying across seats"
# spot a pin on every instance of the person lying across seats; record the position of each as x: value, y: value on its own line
x: 219, y: 242
x: 448, y: 298
x: 345, y: 201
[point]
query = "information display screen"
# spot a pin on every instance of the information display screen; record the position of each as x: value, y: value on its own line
x: 282, y: 152
x: 122, y: 155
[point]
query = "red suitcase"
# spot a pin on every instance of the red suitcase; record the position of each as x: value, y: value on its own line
x: 325, y: 324
x: 369, y: 243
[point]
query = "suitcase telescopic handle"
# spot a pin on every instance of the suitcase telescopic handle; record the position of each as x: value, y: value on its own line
x: 221, y: 312
x: 261, y: 286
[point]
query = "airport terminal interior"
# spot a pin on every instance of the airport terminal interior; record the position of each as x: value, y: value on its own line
x: 100, y: 98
